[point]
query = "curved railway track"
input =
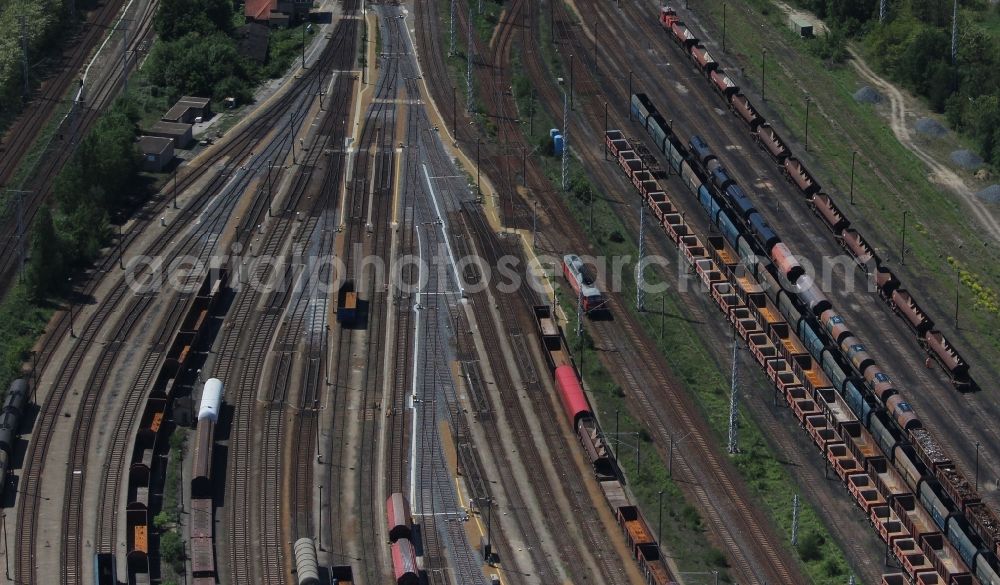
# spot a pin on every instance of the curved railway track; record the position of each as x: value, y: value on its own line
x: 232, y: 151
x: 770, y: 556
x: 19, y: 137
x: 72, y: 128
x: 251, y: 503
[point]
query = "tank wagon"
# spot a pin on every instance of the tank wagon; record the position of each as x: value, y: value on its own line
x: 14, y: 407
x: 306, y: 565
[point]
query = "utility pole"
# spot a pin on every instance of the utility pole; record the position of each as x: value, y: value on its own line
x: 24, y: 50
x: 571, y: 60
x: 808, y: 102
x: 534, y: 222
x: 724, y: 27
x: 468, y: 67
x: 304, y: 48
x: 479, y: 189
x: 606, y: 132
x: 659, y: 523
x: 590, y: 202
x: 663, y: 315
x: 977, y: 465
x: 21, y: 229
x: 733, y: 445
x: 565, y: 152
x: 628, y: 98
x: 795, y: 520
x: 579, y: 317
x: 454, y: 112
x: 125, y: 53
x: 121, y: 236
x: 552, y: 22
x: 902, y: 244
x: 640, y: 293
x: 958, y: 290
x: 291, y: 133
x: 451, y: 30
x: 954, y: 34
x: 270, y: 194
x: 854, y: 156
x: 763, y: 60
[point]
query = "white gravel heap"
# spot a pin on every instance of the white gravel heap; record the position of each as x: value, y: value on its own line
x: 930, y: 127
x: 966, y: 159
x: 990, y: 194
x: 867, y: 95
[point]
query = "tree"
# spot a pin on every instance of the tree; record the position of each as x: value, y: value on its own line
x: 46, y: 270
x: 811, y: 546
x: 172, y: 549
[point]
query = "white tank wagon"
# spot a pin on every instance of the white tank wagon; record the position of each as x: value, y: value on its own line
x: 306, y: 564
x: 211, y: 400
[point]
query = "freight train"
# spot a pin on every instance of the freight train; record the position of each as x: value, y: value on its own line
x: 842, y: 359
x: 10, y: 423
x: 176, y: 371
x: 934, y: 342
x: 642, y: 545
x: 202, y: 521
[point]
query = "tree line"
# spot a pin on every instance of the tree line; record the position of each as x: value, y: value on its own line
x: 913, y: 47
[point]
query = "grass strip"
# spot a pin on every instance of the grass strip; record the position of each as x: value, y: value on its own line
x: 889, y: 180
x: 690, y: 359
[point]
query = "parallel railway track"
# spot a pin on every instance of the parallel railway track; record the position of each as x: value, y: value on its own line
x: 256, y: 505
x: 38, y: 181
x: 233, y: 151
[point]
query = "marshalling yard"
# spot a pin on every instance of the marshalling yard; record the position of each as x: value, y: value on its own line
x: 369, y: 334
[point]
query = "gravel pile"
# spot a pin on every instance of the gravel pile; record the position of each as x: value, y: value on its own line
x: 990, y: 194
x: 930, y: 127
x: 867, y: 95
x: 966, y: 159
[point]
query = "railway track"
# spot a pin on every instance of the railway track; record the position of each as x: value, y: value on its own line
x: 759, y: 546
x: 505, y: 171
x: 234, y: 151
x: 61, y: 146
x: 380, y: 211
x: 255, y: 503
x: 19, y: 137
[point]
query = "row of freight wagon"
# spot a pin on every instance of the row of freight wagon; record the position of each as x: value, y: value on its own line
x: 835, y: 348
x: 890, y: 289
x: 837, y: 416
x: 151, y: 440
x: 641, y: 543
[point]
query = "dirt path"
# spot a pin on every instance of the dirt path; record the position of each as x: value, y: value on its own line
x: 939, y: 172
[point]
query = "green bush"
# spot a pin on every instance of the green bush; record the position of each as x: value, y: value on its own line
x: 172, y: 550
x: 811, y: 546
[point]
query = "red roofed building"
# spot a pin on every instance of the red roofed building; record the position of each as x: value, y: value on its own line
x: 276, y: 13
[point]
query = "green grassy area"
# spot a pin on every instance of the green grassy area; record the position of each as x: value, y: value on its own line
x: 888, y: 178
x: 683, y: 532
x: 691, y: 360
x: 457, y: 69
x: 167, y: 522
x: 485, y: 17
x: 38, y: 147
x: 22, y: 321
